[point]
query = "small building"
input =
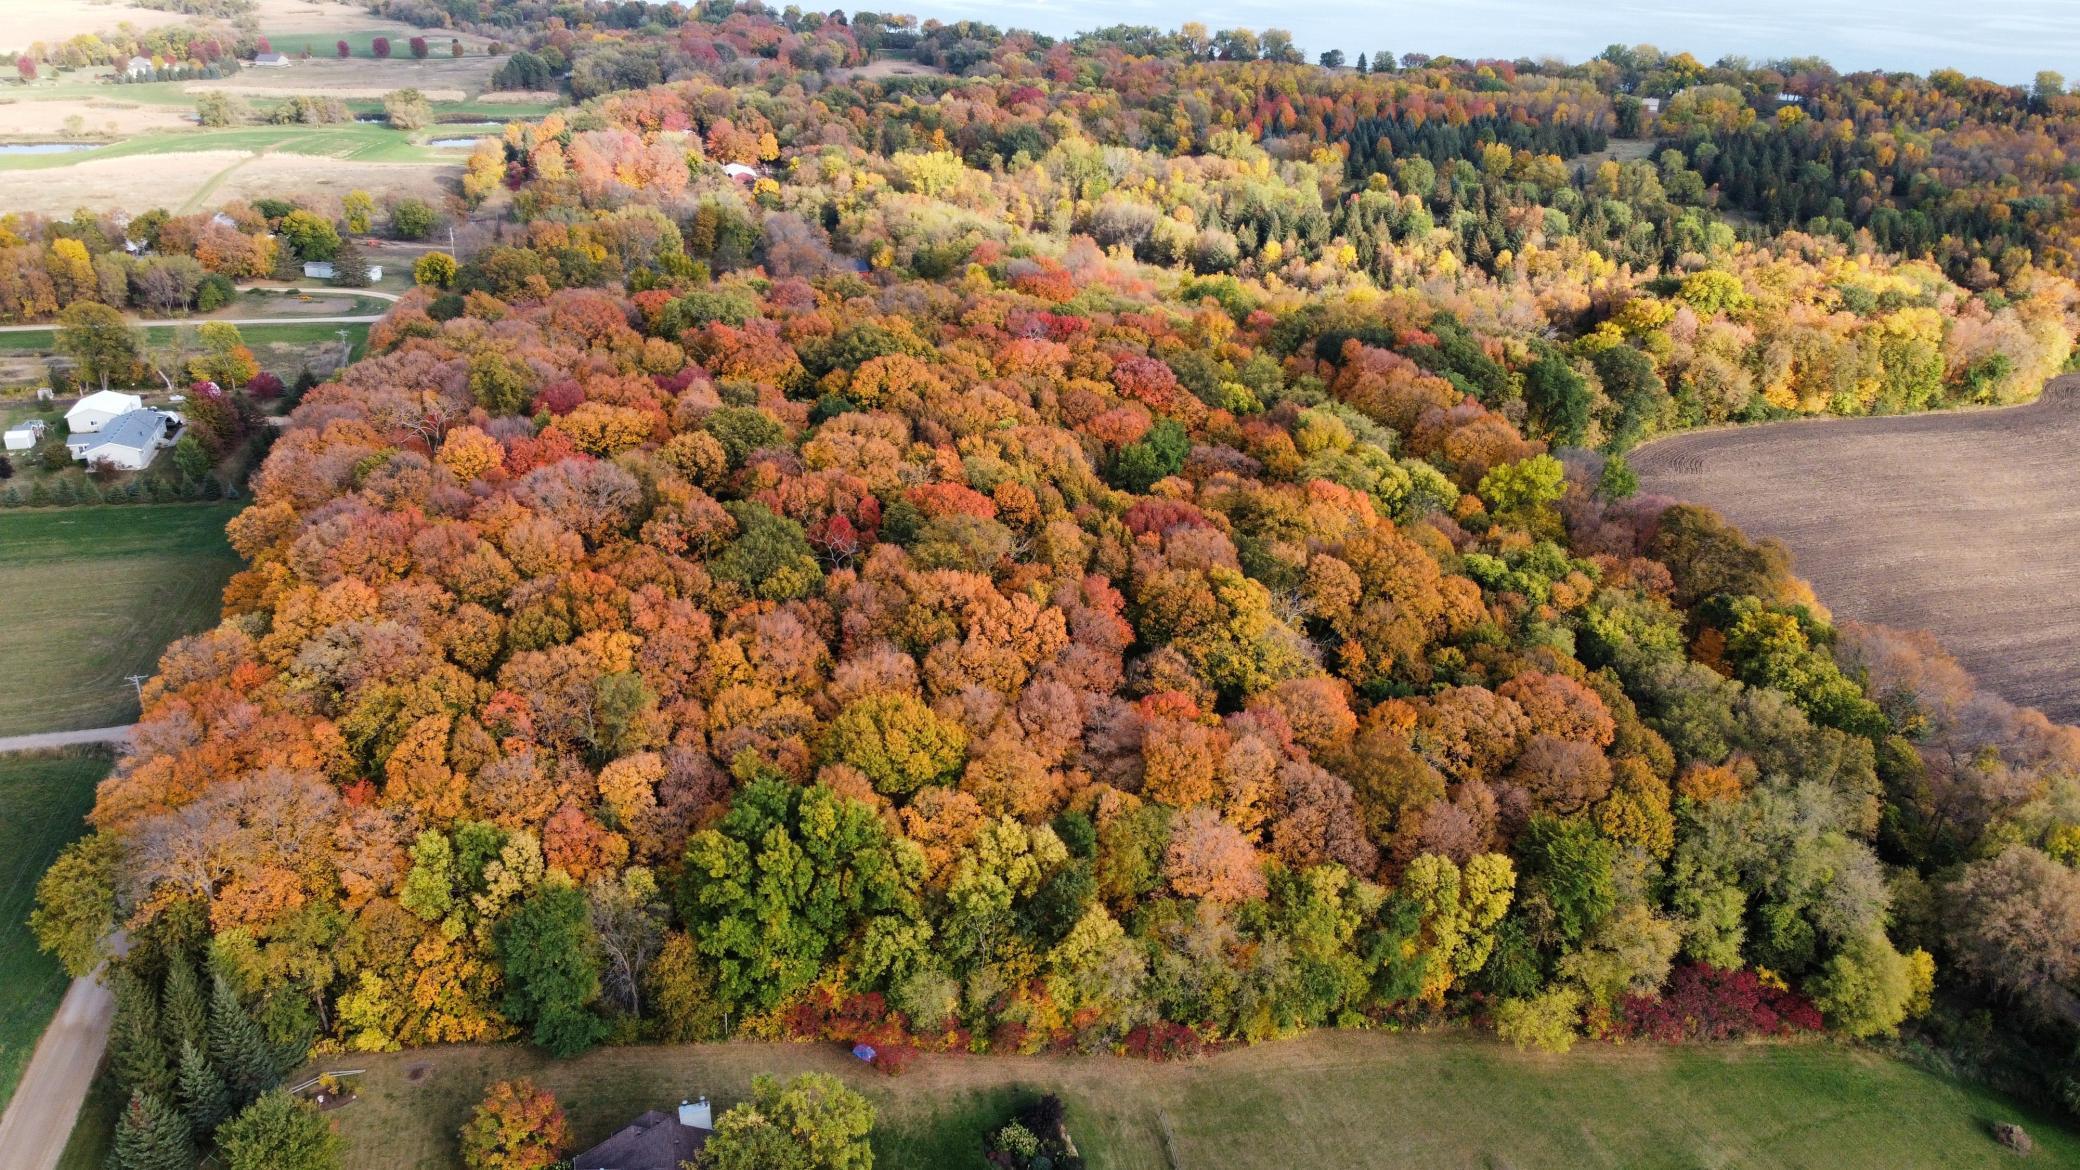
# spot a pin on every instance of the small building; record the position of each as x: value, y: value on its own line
x: 139, y: 67
x: 98, y: 409
x: 317, y: 269
x: 130, y: 442
x: 273, y: 60
x: 24, y: 436
x: 740, y: 172
x: 654, y: 1141
x: 1653, y: 105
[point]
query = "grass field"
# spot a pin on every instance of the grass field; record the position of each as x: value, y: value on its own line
x: 1958, y: 523
x: 43, y: 798
x: 94, y: 594
x: 290, y: 333
x: 354, y: 141
x: 1323, y: 1102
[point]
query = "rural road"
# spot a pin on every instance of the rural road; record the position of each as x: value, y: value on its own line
x: 39, y: 1119
x: 57, y: 739
x: 353, y: 319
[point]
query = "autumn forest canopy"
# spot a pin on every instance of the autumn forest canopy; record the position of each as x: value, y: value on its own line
x: 1119, y: 544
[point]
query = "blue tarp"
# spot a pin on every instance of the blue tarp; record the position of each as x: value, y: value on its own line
x: 864, y: 1052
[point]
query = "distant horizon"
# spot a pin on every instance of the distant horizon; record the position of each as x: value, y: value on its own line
x: 2007, y: 41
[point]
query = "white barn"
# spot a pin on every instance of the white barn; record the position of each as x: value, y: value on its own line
x: 23, y: 436
x: 98, y: 409
x: 130, y: 442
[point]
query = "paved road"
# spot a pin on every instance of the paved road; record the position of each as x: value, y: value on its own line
x: 58, y: 739
x: 39, y: 1119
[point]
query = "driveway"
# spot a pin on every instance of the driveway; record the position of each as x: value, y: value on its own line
x: 58, y: 739
x: 39, y: 1119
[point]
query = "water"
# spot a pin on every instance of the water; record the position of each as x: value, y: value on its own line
x: 7, y: 148
x: 2005, y: 40
x: 452, y: 143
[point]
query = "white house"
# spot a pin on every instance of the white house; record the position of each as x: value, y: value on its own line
x: 24, y: 435
x: 139, y: 67
x: 272, y: 60
x: 98, y: 409
x: 129, y: 442
x: 740, y: 172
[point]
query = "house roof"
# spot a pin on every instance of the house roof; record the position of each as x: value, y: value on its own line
x: 106, y: 401
x: 138, y: 429
x: 654, y: 1141
x: 32, y: 427
x: 268, y: 58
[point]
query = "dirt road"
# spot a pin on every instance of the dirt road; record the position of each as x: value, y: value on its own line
x: 39, y: 1119
x: 58, y: 739
x: 1961, y: 523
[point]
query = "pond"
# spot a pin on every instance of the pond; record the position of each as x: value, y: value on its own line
x: 7, y: 148
x: 453, y: 143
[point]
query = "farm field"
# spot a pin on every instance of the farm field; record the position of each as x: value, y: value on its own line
x: 44, y: 799
x: 95, y: 594
x: 1327, y: 1101
x: 179, y: 174
x: 1956, y: 523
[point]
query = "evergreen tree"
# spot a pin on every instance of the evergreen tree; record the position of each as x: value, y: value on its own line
x: 151, y: 1136
x: 137, y: 1054
x: 203, y: 1096
x: 350, y: 266
x: 237, y: 1048
x: 184, y: 1011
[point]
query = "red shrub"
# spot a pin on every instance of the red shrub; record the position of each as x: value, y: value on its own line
x: 1702, y: 1002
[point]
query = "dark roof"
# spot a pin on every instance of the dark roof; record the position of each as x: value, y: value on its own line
x: 654, y: 1141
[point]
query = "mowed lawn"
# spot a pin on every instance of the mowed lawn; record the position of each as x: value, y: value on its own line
x: 90, y: 595
x: 43, y: 799
x: 1325, y: 1102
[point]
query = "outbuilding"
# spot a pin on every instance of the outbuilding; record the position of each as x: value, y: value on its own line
x: 272, y: 60
x: 654, y: 1141
x: 23, y: 436
x: 98, y: 409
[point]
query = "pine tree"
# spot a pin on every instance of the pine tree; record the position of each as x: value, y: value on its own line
x: 137, y: 1054
x: 350, y: 266
x: 151, y: 1136
x: 241, y: 1054
x: 203, y: 1096
x: 184, y: 1010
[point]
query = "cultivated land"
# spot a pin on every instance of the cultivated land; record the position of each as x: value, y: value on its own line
x: 95, y: 594
x: 1325, y: 1102
x: 44, y: 799
x: 1960, y: 523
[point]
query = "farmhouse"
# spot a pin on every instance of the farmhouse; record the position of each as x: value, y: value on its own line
x: 654, y: 1141
x: 129, y: 442
x: 24, y: 435
x: 98, y: 409
x: 273, y: 60
x: 740, y: 172
x: 138, y: 67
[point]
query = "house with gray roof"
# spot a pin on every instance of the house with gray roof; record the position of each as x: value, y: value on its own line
x: 129, y: 441
x: 654, y: 1141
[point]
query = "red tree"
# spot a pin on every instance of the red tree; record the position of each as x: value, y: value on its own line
x: 381, y: 48
x: 418, y: 45
x: 26, y: 66
x: 344, y: 49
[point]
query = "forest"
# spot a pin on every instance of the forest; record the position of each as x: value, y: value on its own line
x: 1104, y: 548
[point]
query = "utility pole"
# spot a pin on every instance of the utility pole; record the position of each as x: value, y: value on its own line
x: 137, y: 681
x: 346, y: 349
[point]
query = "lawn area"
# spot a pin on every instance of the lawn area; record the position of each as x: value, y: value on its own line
x: 357, y: 141
x: 1322, y: 1102
x: 255, y: 336
x: 43, y: 800
x: 94, y: 594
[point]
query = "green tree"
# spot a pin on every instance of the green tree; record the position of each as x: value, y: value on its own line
x: 184, y: 1008
x: 413, y: 219
x: 358, y: 210
x: 770, y: 557
x: 237, y: 1048
x: 137, y: 1055
x: 350, y: 266
x: 151, y: 1136
x: 812, y: 1123
x: 1559, y: 399
x: 100, y: 341
x: 899, y: 742
x: 407, y: 109
x: 1617, y: 481
x: 552, y: 969
x: 787, y: 881
x: 76, y: 901
x: 1567, y: 881
x: 279, y: 1132
x: 204, y: 1097
x: 435, y: 270
x: 310, y: 236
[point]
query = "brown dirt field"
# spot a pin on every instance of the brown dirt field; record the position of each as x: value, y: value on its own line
x: 441, y: 79
x: 1962, y: 523
x: 886, y: 68
x: 173, y: 180
x: 57, y: 20
x: 39, y: 119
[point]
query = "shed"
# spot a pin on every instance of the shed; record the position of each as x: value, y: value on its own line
x: 98, y: 409
x: 24, y: 435
x: 740, y: 172
x: 272, y: 60
x: 654, y: 1141
x: 317, y: 269
x: 130, y: 442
